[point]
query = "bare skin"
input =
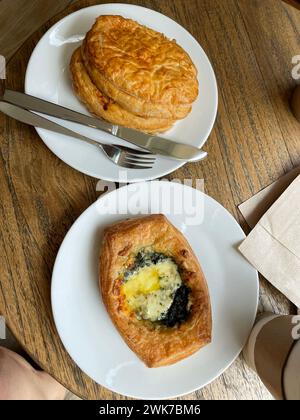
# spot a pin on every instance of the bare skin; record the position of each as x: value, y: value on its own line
x: 20, y: 381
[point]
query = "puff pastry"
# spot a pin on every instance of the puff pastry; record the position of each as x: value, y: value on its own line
x: 139, y: 68
x: 104, y: 107
x: 168, y: 339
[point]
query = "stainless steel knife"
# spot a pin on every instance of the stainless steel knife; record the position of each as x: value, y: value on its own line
x: 154, y: 144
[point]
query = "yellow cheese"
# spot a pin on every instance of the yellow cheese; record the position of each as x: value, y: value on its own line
x: 150, y: 291
x: 145, y: 281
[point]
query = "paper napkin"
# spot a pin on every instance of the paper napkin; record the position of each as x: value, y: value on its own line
x: 273, y: 246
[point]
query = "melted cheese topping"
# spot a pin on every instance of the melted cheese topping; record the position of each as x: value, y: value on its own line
x: 149, y: 292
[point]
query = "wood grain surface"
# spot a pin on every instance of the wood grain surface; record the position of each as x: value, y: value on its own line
x: 21, y: 18
x: 255, y: 140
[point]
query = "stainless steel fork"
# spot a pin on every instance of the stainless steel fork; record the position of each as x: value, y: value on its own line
x: 122, y: 156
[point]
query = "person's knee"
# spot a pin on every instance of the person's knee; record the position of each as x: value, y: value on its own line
x: 20, y: 381
x: 3, y: 374
x: 4, y: 354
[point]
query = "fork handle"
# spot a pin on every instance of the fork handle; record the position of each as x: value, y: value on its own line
x: 53, y: 110
x: 35, y: 120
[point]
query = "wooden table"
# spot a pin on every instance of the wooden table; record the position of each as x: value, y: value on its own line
x: 255, y: 140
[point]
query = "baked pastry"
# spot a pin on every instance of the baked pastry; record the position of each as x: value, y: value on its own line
x: 133, y: 76
x: 154, y: 290
x: 132, y: 103
x: 104, y: 107
x: 139, y: 68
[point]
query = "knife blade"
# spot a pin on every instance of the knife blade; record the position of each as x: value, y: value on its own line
x: 155, y: 144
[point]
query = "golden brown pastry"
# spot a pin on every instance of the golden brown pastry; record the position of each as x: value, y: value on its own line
x: 139, y: 68
x: 154, y: 290
x: 104, y: 107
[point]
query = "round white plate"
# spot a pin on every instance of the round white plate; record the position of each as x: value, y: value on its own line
x: 48, y: 77
x: 81, y: 318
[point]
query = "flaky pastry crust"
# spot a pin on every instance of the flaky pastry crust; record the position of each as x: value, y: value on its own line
x: 155, y: 346
x: 102, y: 106
x: 140, y: 68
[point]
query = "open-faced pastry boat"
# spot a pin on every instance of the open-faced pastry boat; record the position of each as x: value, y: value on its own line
x: 154, y: 290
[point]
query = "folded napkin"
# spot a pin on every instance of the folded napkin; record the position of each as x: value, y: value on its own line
x: 273, y: 246
x: 254, y: 208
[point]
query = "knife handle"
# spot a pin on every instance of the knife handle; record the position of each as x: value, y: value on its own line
x: 48, y: 108
x: 35, y: 120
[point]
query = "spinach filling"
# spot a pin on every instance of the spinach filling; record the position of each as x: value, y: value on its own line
x: 179, y: 309
x: 178, y: 312
x: 143, y: 259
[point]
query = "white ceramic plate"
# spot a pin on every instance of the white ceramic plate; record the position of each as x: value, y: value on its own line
x: 84, y: 325
x: 48, y: 77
